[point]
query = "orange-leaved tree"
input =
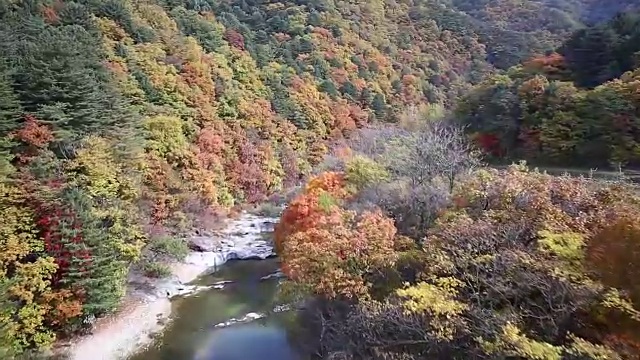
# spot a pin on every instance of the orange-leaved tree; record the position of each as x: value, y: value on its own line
x: 304, y: 212
x: 329, y: 250
x: 336, y: 257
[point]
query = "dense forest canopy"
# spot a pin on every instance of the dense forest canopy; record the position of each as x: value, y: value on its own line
x: 410, y: 249
x: 123, y: 122
x: 577, y: 106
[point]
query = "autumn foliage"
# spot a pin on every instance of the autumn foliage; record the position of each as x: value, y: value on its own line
x: 321, y: 195
x: 553, y: 66
x: 329, y: 249
x: 577, y: 105
x: 59, y: 217
x: 613, y: 260
x: 554, y: 253
x: 122, y: 116
x: 64, y: 251
x: 335, y: 256
x: 332, y: 183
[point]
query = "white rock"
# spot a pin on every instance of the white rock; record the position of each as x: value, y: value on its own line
x: 253, y: 316
x: 203, y: 243
x: 282, y: 308
x: 276, y: 275
x: 241, y: 240
x: 247, y: 318
x: 220, y: 284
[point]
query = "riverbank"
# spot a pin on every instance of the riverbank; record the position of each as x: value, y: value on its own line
x: 147, y: 307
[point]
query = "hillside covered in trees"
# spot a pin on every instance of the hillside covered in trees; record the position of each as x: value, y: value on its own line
x: 576, y: 106
x: 121, y: 121
x: 407, y: 247
x: 124, y: 121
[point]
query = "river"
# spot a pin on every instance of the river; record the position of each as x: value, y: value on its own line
x: 192, y: 333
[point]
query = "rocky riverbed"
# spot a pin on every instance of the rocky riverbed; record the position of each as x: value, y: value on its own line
x: 147, y: 307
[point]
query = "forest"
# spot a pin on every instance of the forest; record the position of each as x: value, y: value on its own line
x: 576, y: 105
x: 124, y: 123
x: 410, y: 248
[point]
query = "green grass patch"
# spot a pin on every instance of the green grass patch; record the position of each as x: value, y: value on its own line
x: 155, y: 269
x: 176, y: 249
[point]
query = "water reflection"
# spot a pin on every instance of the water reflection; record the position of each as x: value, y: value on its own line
x: 192, y: 333
x: 248, y: 342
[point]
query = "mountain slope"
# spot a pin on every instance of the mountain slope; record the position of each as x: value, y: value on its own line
x: 578, y: 106
x: 122, y: 120
x: 120, y: 117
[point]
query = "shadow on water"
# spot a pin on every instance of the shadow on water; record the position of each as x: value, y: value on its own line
x: 192, y: 333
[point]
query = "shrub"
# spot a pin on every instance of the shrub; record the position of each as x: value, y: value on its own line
x: 169, y: 247
x: 613, y: 251
x: 362, y: 172
x: 155, y: 269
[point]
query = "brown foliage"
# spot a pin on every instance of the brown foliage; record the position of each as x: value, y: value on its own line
x: 50, y: 13
x: 62, y: 306
x: 545, y: 202
x: 628, y: 345
x: 34, y: 138
x: 614, y: 252
x: 553, y: 66
x: 290, y: 167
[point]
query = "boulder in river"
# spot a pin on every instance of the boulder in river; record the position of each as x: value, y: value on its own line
x: 251, y: 253
x: 203, y: 244
x: 276, y: 275
x: 247, y: 318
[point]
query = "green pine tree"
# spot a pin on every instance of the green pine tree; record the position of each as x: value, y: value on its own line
x: 328, y: 87
x: 349, y: 89
x: 10, y: 109
x: 70, y: 92
x: 10, y: 112
x: 379, y: 105
x: 103, y: 274
x: 366, y: 97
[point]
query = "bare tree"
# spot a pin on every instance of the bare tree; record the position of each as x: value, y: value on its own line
x: 374, y: 141
x: 436, y: 150
x: 425, y: 159
x: 413, y: 208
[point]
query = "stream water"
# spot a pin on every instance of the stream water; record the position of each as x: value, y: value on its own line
x: 192, y: 334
